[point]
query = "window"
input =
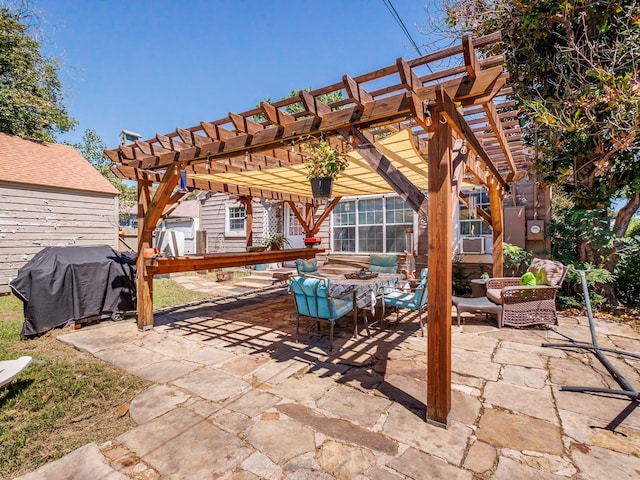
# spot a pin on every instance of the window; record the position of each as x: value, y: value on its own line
x: 371, y: 225
x: 470, y: 224
x: 235, y: 221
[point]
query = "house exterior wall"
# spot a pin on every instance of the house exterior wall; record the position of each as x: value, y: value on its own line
x: 33, y: 217
x: 529, y: 202
x: 213, y: 220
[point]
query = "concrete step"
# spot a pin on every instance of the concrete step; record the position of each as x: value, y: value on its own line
x: 265, y: 278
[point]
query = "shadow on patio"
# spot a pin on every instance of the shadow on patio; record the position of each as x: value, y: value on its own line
x: 237, y: 395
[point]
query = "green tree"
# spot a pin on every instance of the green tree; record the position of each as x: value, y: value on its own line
x: 31, y: 100
x: 92, y: 148
x: 574, y: 71
x: 297, y: 107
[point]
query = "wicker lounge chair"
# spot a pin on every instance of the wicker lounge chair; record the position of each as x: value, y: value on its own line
x: 524, y: 305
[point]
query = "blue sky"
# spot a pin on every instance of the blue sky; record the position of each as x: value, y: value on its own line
x: 152, y: 66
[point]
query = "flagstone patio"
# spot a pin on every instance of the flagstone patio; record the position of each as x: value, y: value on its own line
x: 238, y: 395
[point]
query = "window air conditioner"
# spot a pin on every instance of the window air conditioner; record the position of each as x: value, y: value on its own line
x: 472, y: 245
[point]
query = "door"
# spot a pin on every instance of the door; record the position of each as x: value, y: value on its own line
x: 293, y: 230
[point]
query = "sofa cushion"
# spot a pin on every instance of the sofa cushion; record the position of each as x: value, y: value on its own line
x: 547, y: 272
x: 495, y: 295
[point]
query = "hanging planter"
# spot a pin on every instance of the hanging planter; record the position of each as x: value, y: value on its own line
x: 323, y: 164
x: 321, y: 187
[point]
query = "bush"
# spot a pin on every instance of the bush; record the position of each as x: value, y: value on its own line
x: 515, y: 259
x: 628, y: 272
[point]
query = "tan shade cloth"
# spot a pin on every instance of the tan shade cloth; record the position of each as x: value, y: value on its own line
x: 357, y: 179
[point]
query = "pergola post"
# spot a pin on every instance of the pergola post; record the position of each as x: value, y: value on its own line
x: 496, y: 205
x: 440, y: 269
x: 144, y: 295
x: 248, y: 225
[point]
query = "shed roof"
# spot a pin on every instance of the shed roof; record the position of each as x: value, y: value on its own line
x: 48, y: 164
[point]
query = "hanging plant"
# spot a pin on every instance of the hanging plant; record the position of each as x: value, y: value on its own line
x: 323, y: 161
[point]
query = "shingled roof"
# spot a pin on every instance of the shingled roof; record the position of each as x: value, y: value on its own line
x: 48, y: 164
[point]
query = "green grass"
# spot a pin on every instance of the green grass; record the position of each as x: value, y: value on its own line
x: 62, y: 401
x: 167, y: 293
x: 65, y: 398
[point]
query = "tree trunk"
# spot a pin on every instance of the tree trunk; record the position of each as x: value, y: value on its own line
x: 620, y: 226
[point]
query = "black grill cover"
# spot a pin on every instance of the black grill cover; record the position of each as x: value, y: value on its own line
x: 61, y: 284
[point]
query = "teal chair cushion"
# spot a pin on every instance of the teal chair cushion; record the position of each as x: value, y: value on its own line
x: 307, y: 266
x: 311, y: 297
x: 383, y: 263
x: 414, y: 300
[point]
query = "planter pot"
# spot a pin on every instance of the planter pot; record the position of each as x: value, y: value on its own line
x: 224, y: 276
x: 321, y: 187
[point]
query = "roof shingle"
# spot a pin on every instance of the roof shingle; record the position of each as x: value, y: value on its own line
x: 49, y: 164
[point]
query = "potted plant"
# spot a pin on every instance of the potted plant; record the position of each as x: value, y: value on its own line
x: 323, y: 164
x: 277, y: 241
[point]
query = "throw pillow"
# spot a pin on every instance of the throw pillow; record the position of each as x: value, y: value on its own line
x: 528, y: 279
x: 547, y: 272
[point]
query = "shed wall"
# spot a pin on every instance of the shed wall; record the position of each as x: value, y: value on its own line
x: 33, y: 217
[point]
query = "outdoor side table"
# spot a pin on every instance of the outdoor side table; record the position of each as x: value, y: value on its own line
x: 478, y: 287
x: 477, y: 305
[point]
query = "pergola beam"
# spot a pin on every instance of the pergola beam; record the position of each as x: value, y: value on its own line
x: 396, y: 179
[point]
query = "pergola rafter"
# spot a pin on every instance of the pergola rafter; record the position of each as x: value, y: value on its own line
x: 408, y: 131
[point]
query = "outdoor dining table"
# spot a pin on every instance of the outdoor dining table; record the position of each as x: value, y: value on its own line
x: 364, y: 290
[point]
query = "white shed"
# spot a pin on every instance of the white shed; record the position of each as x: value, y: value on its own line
x: 50, y: 196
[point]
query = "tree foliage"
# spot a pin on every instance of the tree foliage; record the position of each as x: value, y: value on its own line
x: 31, y: 99
x: 574, y: 68
x: 92, y: 148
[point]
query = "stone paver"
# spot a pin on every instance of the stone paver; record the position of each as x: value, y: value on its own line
x: 481, y: 457
x: 524, y: 376
x: 281, y: 439
x: 85, y: 462
x: 598, y: 463
x: 535, y: 402
x: 344, y: 461
x: 155, y: 401
x: 166, y: 371
x: 358, y: 407
x: 504, y: 429
x: 406, y: 427
x: 418, y: 465
x: 474, y: 364
x: 253, y: 403
x: 202, y: 451
x: 509, y: 469
x: 212, y: 384
x: 238, y: 396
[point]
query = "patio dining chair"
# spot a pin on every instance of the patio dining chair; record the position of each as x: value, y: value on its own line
x: 312, y: 300
x: 307, y: 267
x: 412, y: 299
x: 524, y: 305
x: 383, y: 263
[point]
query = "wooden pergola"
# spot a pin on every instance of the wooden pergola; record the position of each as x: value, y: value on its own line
x: 458, y: 120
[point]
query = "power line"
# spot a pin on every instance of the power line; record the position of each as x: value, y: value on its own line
x: 399, y: 21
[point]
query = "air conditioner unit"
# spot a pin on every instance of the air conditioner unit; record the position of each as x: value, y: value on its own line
x: 472, y: 245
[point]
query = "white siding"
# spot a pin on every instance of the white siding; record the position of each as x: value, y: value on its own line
x: 33, y: 217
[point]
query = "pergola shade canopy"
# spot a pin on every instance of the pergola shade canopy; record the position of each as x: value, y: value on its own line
x: 358, y: 179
